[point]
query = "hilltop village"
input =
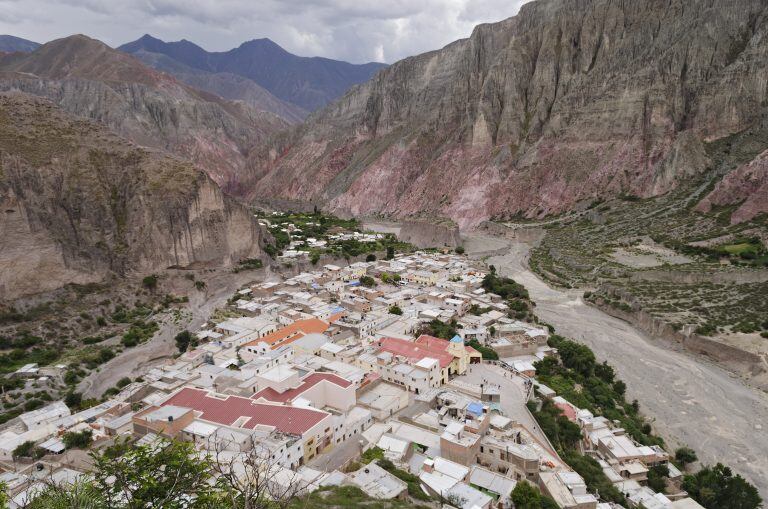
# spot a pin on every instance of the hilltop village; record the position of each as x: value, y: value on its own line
x: 406, y: 377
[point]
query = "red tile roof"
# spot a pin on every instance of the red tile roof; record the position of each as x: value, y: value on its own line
x: 440, y: 343
x: 433, y: 342
x: 227, y: 409
x: 308, y: 382
x: 414, y: 351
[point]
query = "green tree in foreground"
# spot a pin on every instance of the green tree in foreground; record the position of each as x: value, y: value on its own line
x: 395, y: 310
x: 527, y: 496
x: 161, y: 474
x: 717, y: 488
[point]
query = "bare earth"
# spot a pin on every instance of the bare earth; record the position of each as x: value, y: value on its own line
x: 134, y: 362
x: 693, y: 402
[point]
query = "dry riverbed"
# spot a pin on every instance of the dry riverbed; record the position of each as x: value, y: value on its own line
x: 692, y: 401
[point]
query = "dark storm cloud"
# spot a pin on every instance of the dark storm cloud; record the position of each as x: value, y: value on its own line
x: 353, y: 30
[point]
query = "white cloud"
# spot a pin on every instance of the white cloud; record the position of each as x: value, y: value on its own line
x: 353, y: 30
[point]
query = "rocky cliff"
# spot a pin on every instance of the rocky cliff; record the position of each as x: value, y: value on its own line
x: 745, y: 187
x: 78, y: 203
x: 87, y: 78
x: 569, y: 101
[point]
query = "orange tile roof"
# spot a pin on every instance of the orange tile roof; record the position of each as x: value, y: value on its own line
x: 292, y: 332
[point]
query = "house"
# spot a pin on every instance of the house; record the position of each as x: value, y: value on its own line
x: 376, y: 482
x: 493, y: 484
x: 314, y: 427
x: 319, y: 389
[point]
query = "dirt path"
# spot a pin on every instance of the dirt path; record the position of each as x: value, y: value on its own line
x: 693, y: 402
x: 136, y: 361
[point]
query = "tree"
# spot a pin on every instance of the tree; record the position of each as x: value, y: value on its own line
x: 82, y: 495
x: 370, y: 258
x: 460, y: 250
x: 577, y: 357
x: 163, y: 473
x: 150, y: 282
x: 73, y: 399
x: 27, y: 449
x: 77, y: 440
x: 527, y: 496
x: 685, y: 456
x: 245, y: 480
x: 657, y: 478
x: 183, y: 340
x: 717, y: 488
x: 390, y: 252
x: 367, y: 281
x: 3, y: 496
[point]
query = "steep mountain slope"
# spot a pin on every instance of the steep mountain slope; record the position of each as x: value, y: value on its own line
x: 80, y: 203
x: 224, y: 84
x: 745, y: 187
x: 307, y: 82
x: 89, y: 79
x: 10, y: 44
x: 569, y: 102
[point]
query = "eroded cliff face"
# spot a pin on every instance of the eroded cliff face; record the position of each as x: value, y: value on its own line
x: 746, y: 187
x: 87, y: 78
x: 79, y: 203
x: 569, y: 101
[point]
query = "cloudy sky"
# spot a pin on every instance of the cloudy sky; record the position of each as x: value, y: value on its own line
x: 353, y: 30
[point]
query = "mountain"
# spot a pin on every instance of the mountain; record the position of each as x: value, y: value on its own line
x: 568, y: 103
x: 80, y: 203
x: 224, y: 84
x: 307, y: 82
x: 87, y: 78
x: 11, y: 44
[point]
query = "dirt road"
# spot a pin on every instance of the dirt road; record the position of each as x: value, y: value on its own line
x: 135, y: 362
x: 692, y: 401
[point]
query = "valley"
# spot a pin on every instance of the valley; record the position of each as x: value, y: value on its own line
x: 524, y: 270
x: 692, y: 401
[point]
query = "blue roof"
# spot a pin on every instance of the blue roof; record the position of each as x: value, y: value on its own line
x: 456, y: 339
x: 475, y: 408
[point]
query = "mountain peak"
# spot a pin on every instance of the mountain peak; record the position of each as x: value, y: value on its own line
x: 11, y: 44
x: 80, y: 56
x: 309, y: 83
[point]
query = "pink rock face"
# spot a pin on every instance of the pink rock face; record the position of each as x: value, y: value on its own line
x: 747, y: 184
x: 532, y: 115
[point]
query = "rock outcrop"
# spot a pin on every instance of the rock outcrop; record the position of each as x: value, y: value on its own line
x: 78, y: 203
x: 569, y: 101
x: 87, y: 78
x: 430, y: 233
x: 746, y: 186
